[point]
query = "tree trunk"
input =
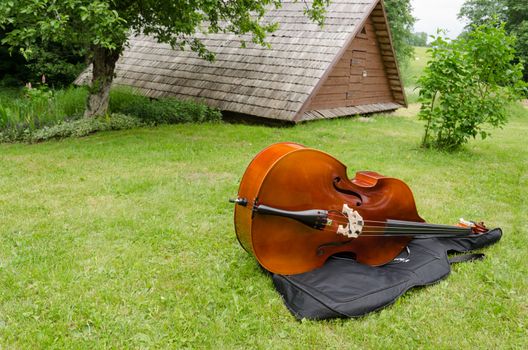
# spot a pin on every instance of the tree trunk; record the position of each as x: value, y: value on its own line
x: 104, y: 62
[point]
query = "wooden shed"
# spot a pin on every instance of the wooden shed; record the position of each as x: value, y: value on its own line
x: 345, y: 68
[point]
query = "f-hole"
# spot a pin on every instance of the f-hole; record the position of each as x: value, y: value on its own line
x: 321, y: 249
x: 336, y: 182
x: 345, y: 256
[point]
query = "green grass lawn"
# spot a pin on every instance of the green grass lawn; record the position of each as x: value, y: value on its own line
x: 126, y: 240
x: 412, y: 71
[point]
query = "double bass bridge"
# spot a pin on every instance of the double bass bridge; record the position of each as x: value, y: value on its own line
x: 355, y: 223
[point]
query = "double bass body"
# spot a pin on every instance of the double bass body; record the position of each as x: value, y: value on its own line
x: 294, y: 178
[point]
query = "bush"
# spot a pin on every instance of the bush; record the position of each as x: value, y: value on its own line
x: 70, y: 128
x: 61, y: 66
x: 38, y: 114
x: 34, y: 108
x: 84, y: 127
x: 467, y: 86
x: 71, y: 101
x: 165, y: 110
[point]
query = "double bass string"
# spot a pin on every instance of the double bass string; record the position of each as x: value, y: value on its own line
x: 338, y: 216
x: 393, y: 233
x: 396, y: 230
x: 387, y: 231
x: 403, y: 233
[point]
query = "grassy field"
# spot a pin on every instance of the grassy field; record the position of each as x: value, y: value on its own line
x: 412, y: 71
x: 125, y: 240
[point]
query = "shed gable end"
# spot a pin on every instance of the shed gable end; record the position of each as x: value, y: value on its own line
x: 358, y: 78
x: 365, y: 78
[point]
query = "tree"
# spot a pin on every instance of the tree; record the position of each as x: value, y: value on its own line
x: 401, y: 21
x: 418, y: 39
x: 467, y: 84
x: 10, y: 67
x: 513, y: 12
x: 517, y: 24
x: 102, y: 28
x: 478, y: 12
x: 60, y: 63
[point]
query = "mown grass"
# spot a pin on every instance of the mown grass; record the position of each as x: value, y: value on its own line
x: 125, y: 240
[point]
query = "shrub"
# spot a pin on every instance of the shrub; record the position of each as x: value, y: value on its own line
x: 71, y: 101
x: 70, y: 128
x: 165, y: 110
x: 84, y: 127
x: 34, y: 108
x: 467, y: 85
x: 38, y: 114
x: 61, y: 65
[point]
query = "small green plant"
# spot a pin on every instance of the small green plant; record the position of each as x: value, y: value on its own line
x: 35, y: 107
x: 71, y: 101
x: 166, y: 110
x: 467, y: 85
x: 84, y: 126
x: 36, y: 114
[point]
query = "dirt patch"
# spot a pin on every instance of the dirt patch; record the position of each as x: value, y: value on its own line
x: 524, y: 103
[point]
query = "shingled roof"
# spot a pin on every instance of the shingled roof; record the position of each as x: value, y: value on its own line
x: 277, y: 82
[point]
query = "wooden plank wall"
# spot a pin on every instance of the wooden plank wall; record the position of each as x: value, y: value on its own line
x: 360, y: 76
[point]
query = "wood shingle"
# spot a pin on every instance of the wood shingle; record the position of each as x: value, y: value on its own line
x: 308, y: 72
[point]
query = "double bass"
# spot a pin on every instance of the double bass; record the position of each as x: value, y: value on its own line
x: 296, y: 207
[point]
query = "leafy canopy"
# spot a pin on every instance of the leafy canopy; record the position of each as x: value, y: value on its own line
x: 401, y: 21
x: 513, y: 12
x: 477, y: 12
x: 467, y: 84
x: 107, y: 23
x: 102, y: 27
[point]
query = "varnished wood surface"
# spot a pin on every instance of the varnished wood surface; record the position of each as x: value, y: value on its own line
x: 249, y: 187
x: 292, y: 177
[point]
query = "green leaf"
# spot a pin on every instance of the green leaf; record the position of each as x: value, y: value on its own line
x: 467, y: 83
